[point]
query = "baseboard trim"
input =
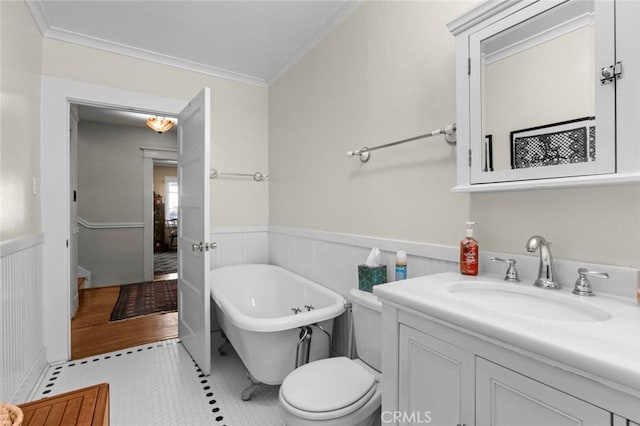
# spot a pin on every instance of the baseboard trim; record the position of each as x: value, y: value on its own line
x: 31, y: 381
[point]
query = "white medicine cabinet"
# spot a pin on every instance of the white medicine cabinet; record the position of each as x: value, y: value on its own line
x: 548, y: 94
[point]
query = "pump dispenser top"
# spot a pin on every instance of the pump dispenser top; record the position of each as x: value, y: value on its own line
x: 470, y: 229
x: 469, y: 254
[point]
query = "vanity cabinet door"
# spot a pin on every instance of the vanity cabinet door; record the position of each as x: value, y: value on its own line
x: 619, y: 421
x: 436, y: 381
x: 506, y: 398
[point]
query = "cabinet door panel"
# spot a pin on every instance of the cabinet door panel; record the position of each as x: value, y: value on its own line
x: 435, y: 381
x: 506, y: 398
x: 619, y: 421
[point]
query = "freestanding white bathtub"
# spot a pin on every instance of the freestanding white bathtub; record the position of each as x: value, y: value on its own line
x: 255, y: 307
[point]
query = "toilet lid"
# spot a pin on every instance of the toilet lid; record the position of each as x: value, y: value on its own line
x: 327, y: 385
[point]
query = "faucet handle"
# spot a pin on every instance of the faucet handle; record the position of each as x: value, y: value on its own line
x: 583, y: 285
x: 512, y: 272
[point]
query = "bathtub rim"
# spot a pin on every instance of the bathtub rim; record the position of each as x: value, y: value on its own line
x: 286, y: 322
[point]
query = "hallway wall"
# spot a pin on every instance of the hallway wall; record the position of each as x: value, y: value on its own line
x: 111, y: 197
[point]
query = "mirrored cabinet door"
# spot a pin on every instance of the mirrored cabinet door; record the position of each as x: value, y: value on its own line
x: 547, y: 94
x: 540, y: 106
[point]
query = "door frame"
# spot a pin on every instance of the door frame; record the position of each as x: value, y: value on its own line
x: 57, y: 95
x: 151, y: 157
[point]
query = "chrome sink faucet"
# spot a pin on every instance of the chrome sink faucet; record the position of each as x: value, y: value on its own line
x: 546, y: 273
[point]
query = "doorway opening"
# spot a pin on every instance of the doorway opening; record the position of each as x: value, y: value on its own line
x: 113, y: 196
x: 193, y: 170
x: 165, y: 220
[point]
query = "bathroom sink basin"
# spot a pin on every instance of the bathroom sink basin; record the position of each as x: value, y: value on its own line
x: 530, y: 302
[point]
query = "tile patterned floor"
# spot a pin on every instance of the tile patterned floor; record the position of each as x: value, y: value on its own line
x: 165, y: 262
x: 159, y: 384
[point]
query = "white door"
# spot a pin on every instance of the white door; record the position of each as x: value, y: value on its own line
x: 194, y: 134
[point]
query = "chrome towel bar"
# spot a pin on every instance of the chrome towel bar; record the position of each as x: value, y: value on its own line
x: 449, y: 133
x: 257, y: 176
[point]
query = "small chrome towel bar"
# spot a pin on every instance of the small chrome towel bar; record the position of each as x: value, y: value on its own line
x: 257, y: 176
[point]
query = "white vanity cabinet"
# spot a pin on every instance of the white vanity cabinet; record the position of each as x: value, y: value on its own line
x: 506, y: 398
x: 442, y: 374
x: 435, y: 379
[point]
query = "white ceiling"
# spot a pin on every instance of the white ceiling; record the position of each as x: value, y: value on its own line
x: 250, y: 41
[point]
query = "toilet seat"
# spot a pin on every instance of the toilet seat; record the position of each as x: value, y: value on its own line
x: 327, y: 389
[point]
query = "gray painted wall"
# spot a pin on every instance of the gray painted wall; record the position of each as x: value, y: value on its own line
x: 110, y: 190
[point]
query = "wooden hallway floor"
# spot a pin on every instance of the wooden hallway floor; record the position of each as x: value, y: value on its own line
x: 93, y: 334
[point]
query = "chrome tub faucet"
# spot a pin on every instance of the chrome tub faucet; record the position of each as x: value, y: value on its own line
x: 546, y: 273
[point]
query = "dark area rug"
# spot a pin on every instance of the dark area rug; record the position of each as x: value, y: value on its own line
x: 145, y: 299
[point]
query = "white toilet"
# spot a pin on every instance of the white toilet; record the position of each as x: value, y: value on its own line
x: 340, y: 391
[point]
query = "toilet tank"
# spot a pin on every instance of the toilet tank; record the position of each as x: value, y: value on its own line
x: 367, y: 325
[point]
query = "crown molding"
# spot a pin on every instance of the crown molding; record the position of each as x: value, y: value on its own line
x: 56, y: 33
x: 60, y: 34
x: 482, y: 12
x: 38, y: 15
x: 336, y: 19
x: 134, y: 52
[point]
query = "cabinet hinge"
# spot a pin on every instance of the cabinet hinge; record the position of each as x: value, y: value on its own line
x: 611, y: 73
x: 468, y: 66
x: 469, y: 158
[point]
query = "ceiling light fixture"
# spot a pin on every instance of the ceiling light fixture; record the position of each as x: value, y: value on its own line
x: 158, y: 124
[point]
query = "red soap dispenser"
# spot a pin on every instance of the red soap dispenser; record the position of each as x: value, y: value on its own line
x: 469, y: 253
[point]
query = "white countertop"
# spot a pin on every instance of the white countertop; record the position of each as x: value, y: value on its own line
x: 607, y: 351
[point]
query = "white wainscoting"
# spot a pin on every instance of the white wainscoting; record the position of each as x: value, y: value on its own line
x: 332, y: 259
x: 23, y: 355
x: 238, y: 245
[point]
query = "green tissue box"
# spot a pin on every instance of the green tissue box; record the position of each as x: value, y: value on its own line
x: 369, y: 276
